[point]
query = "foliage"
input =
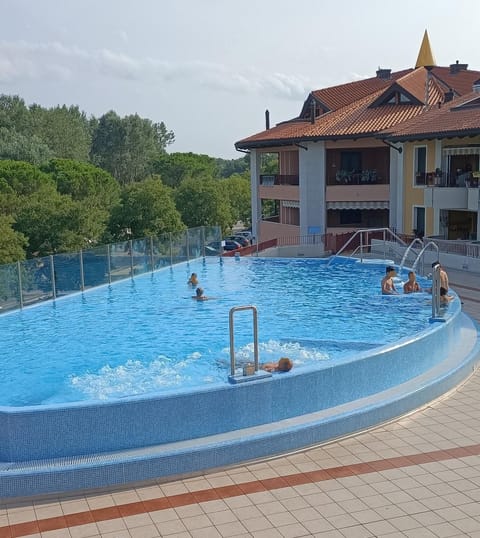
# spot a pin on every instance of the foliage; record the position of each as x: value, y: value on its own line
x: 174, y: 168
x: 83, y: 181
x: 22, y: 178
x: 12, y: 243
x: 65, y: 130
x: 203, y: 203
x: 237, y: 191
x: 19, y: 147
x: 55, y: 223
x: 147, y: 209
x: 227, y: 168
x: 126, y: 147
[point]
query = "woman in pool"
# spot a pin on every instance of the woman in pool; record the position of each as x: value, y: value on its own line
x: 283, y: 365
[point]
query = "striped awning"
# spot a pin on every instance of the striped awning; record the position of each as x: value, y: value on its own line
x: 358, y: 205
x: 472, y: 150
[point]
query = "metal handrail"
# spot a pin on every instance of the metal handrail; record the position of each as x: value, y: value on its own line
x: 255, y: 336
x: 409, y: 248
x: 422, y: 252
x: 367, y: 231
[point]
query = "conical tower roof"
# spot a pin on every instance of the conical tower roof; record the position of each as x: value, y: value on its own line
x: 425, y: 57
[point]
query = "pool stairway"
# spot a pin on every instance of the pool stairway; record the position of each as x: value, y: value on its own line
x: 170, y: 460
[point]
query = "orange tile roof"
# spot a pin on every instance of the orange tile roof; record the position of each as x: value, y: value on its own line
x: 357, y: 109
x: 458, y: 117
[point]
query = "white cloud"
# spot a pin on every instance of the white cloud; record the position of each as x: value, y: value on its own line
x: 20, y: 60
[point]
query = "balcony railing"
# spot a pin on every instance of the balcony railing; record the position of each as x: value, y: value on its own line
x: 357, y: 177
x: 446, y: 179
x: 269, y: 180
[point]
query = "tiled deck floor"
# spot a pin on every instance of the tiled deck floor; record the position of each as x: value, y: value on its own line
x: 416, y: 477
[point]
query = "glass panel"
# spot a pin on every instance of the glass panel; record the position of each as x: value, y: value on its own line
x: 36, y: 277
x: 9, y: 289
x: 95, y: 266
x: 67, y: 273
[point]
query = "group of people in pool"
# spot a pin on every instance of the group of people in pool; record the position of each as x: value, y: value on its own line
x: 199, y: 293
x: 283, y: 365
x: 412, y: 286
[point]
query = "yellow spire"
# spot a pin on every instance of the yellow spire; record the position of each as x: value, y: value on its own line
x: 425, y: 57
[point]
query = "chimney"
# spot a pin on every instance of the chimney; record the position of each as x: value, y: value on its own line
x: 448, y: 96
x: 267, y: 120
x: 476, y: 86
x: 457, y: 67
x: 384, y: 74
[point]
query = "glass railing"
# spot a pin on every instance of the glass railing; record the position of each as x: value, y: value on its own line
x: 39, y: 279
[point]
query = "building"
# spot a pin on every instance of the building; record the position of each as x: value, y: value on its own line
x: 441, y: 169
x: 341, y: 162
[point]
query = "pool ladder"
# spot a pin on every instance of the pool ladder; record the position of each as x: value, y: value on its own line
x: 248, y: 374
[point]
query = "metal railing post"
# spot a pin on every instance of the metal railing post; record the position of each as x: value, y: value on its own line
x: 20, y: 285
x: 82, y: 275
x: 109, y: 264
x: 435, y: 291
x: 171, y: 249
x: 187, y: 246
x: 52, y: 276
x: 232, y: 338
x: 202, y: 234
x: 130, y: 245
x: 152, y: 260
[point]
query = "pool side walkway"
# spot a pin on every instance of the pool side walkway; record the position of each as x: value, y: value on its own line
x: 415, y: 477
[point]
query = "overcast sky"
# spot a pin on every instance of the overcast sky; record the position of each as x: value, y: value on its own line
x: 209, y: 68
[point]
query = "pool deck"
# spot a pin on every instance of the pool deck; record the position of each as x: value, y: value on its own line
x: 418, y: 476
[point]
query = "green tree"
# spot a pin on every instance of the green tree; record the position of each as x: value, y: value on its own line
x: 20, y: 147
x: 14, y: 114
x: 126, y: 147
x: 203, y: 203
x: 55, y: 223
x: 12, y: 243
x: 23, y: 178
x: 238, y: 192
x: 229, y: 167
x: 174, y: 168
x: 66, y: 131
x: 83, y: 181
x: 147, y: 209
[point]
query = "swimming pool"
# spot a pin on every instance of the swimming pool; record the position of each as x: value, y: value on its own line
x: 390, y: 367
x: 147, y: 335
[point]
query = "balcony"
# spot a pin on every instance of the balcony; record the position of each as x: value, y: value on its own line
x: 357, y: 177
x: 269, y: 180
x: 279, y: 187
x: 446, y: 197
x: 357, y: 193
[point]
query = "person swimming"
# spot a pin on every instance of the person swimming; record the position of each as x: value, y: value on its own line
x: 193, y: 280
x: 199, y: 295
x: 283, y: 365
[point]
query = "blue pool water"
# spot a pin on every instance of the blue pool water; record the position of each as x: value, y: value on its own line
x: 147, y: 335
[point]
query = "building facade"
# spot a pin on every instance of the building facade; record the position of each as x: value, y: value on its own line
x: 345, y: 163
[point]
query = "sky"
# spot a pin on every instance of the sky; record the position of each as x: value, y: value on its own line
x: 210, y: 68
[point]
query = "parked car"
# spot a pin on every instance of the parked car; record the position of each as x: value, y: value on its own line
x: 229, y: 244
x: 244, y: 242
x: 245, y: 233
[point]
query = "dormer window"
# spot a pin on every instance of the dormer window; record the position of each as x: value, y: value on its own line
x: 398, y: 98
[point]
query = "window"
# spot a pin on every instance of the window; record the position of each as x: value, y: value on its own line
x: 351, y: 160
x: 350, y: 216
x: 420, y: 165
x: 419, y: 221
